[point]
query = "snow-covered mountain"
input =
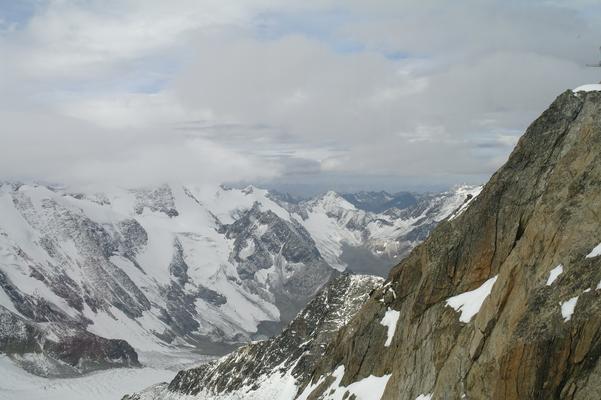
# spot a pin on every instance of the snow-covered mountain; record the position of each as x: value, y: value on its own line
x: 91, y: 278
x: 273, y: 367
x: 381, y: 201
x: 366, y: 242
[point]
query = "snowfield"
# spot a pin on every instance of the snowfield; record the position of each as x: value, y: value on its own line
x: 104, y: 385
x: 111, y: 384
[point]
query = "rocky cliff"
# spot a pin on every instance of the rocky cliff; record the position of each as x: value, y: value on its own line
x: 502, y: 301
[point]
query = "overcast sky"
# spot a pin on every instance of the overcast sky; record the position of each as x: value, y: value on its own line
x: 331, y: 94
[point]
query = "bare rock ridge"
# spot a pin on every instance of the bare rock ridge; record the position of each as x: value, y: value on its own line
x: 502, y: 301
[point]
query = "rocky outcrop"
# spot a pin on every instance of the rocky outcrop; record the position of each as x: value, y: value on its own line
x: 57, y: 350
x: 533, y: 337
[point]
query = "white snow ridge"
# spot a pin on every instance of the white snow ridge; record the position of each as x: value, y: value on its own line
x: 369, y: 388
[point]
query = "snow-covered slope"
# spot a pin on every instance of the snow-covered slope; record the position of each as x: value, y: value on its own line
x: 101, y: 385
x: 173, y: 266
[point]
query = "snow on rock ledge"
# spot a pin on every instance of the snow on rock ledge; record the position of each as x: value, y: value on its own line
x: 592, y: 87
x: 554, y: 274
x: 568, y: 307
x: 469, y: 303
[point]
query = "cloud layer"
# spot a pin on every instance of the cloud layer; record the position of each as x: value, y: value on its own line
x: 404, y: 93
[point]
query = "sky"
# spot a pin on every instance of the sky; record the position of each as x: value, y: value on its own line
x: 299, y: 95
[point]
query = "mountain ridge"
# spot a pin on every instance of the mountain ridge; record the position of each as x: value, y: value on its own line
x: 172, y: 266
x: 501, y: 301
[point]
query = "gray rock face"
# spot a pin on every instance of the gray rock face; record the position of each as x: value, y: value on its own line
x: 133, y: 237
x: 268, y: 235
x: 60, y: 349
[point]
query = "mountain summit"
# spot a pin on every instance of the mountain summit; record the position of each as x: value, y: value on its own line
x: 502, y: 301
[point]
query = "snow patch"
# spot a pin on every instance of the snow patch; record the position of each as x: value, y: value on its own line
x: 369, y: 388
x: 592, y: 87
x: 390, y: 320
x: 568, y: 307
x: 469, y: 303
x: 424, y: 397
x: 555, y: 272
x: 596, y: 252
x: 248, y: 250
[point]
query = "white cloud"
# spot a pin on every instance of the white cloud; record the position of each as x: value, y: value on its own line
x: 191, y: 90
x: 132, y: 110
x: 60, y: 149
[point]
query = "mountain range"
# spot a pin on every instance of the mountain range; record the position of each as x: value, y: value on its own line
x: 501, y: 301
x: 110, y: 277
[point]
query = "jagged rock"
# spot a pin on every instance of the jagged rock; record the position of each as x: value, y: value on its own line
x: 292, y: 353
x: 263, y: 241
